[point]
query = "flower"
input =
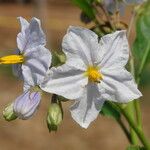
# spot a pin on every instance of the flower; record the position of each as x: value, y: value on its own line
x: 93, y: 73
x: 26, y: 104
x: 112, y: 5
x: 32, y: 60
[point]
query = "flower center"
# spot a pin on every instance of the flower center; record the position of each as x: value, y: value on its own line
x: 12, y: 59
x: 93, y: 74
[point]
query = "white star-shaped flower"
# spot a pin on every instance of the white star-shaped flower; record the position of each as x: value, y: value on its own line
x: 93, y: 73
x: 31, y: 63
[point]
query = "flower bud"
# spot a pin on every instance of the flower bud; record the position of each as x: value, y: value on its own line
x: 54, y: 117
x: 8, y: 113
x: 26, y: 104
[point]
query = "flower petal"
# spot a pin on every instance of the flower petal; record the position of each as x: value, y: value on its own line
x: 24, y: 24
x: 114, y: 50
x: 111, y: 6
x: 65, y: 81
x: 119, y: 86
x: 26, y: 86
x: 31, y: 35
x: 82, y: 45
x: 26, y: 104
x: 86, y: 109
x: 37, y: 63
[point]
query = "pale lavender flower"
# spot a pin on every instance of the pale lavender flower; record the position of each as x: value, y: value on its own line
x: 119, y: 5
x: 36, y: 62
x: 26, y: 104
x: 36, y: 58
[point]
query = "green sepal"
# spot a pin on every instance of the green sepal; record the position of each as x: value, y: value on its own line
x: 58, y: 58
x: 110, y: 111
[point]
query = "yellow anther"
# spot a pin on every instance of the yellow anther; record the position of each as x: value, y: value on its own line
x: 12, y: 59
x: 93, y: 74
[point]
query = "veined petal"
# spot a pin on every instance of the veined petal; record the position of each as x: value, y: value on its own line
x: 26, y: 104
x: 65, y: 81
x: 114, y: 50
x: 31, y: 35
x: 86, y: 109
x: 38, y: 61
x: 80, y: 44
x: 119, y: 86
x: 24, y: 24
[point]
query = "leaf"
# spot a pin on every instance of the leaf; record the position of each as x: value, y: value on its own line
x: 84, y: 18
x: 135, y: 148
x: 142, y: 41
x: 110, y: 111
x: 86, y: 6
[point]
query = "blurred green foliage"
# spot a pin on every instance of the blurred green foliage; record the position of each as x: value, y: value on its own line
x: 141, y: 44
x: 86, y: 7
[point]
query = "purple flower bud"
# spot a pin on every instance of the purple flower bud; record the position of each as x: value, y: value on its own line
x: 26, y: 104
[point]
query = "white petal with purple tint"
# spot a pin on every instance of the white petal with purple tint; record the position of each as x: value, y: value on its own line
x: 26, y: 104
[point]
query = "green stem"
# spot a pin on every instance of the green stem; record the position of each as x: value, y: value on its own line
x: 138, y: 113
x: 131, y: 110
x: 133, y: 107
x: 136, y: 102
x: 138, y: 130
x: 125, y: 130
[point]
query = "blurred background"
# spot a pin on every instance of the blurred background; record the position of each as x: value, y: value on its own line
x: 33, y: 134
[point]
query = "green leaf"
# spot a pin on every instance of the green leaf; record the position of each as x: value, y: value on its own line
x: 142, y: 41
x: 135, y: 148
x: 86, y: 6
x: 110, y: 111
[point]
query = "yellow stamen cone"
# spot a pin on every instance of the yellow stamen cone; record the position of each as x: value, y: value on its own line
x: 12, y: 59
x: 93, y: 74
